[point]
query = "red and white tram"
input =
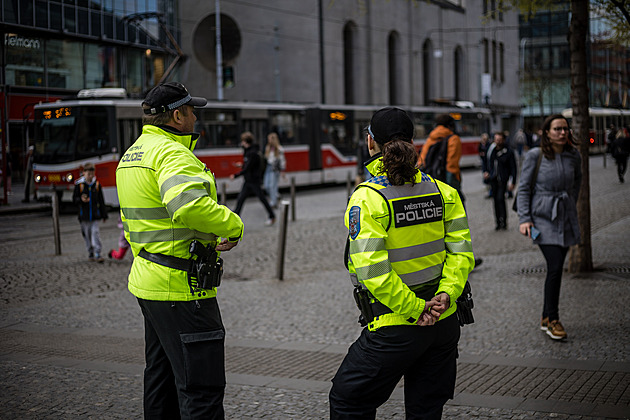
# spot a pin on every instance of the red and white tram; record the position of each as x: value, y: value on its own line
x: 321, y: 142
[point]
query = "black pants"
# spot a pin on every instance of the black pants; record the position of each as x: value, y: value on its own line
x: 425, y: 356
x: 253, y: 188
x: 622, y: 165
x: 498, y: 195
x: 184, y: 375
x: 554, y: 255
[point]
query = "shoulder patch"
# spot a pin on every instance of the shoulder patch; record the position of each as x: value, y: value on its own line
x: 354, y: 221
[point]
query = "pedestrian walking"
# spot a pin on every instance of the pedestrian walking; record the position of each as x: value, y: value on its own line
x: 482, y: 150
x: 445, y: 131
x: 547, y: 196
x: 176, y: 230
x: 620, y: 150
x: 501, y: 175
x: 88, y: 196
x: 409, y: 255
x: 252, y: 173
x: 276, y: 164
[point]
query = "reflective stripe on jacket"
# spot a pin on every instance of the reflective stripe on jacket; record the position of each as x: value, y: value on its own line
x: 402, y: 238
x: 168, y: 198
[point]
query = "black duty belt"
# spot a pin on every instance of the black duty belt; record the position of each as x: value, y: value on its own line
x: 427, y: 292
x: 169, y: 261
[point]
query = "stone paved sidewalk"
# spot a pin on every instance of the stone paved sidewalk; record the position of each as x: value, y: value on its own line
x: 71, y: 341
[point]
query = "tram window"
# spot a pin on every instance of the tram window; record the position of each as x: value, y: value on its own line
x: 53, y: 139
x: 93, y: 132
x: 216, y: 128
x: 423, y: 123
x: 286, y: 124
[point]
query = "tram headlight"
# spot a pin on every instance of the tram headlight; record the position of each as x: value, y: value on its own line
x: 69, y: 178
x: 38, y: 178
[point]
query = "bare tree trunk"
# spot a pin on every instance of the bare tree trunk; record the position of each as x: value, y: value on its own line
x: 581, y: 258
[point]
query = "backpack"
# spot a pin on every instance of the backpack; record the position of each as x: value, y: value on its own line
x: 435, y: 161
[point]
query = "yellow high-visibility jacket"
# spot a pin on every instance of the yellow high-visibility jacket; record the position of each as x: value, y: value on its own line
x: 167, y: 198
x: 407, y: 240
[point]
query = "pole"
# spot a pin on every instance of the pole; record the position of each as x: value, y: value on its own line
x: 217, y: 24
x: 322, y: 76
x: 349, y: 185
x: 282, y: 239
x: 293, y: 199
x: 224, y: 193
x: 55, y: 217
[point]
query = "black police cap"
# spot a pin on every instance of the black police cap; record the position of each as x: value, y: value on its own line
x: 168, y: 96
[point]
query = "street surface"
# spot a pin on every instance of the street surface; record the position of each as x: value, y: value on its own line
x: 71, y: 335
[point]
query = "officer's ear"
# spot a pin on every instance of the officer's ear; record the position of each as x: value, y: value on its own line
x: 372, y: 144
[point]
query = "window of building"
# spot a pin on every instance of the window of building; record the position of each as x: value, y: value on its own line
x: 459, y: 72
x: 393, y: 66
x: 486, y: 56
x: 501, y: 62
x: 65, y: 64
x: 101, y: 66
x: 24, y: 60
x: 494, y: 60
x: 427, y: 73
x: 133, y: 84
x: 349, y: 40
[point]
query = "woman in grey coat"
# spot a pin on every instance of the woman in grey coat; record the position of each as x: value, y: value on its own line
x: 547, y: 209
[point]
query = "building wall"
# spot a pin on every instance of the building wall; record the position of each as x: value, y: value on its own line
x: 298, y: 54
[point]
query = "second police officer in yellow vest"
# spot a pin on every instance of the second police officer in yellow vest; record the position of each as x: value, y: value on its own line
x: 168, y: 202
x: 409, y: 256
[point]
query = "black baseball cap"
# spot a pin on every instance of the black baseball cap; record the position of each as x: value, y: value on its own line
x: 168, y: 96
x: 388, y: 123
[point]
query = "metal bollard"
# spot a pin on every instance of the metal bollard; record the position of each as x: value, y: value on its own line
x: 349, y: 186
x: 224, y: 194
x: 293, y: 199
x: 282, y: 239
x: 55, y: 216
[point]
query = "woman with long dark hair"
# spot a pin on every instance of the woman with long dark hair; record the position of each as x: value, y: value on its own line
x: 409, y: 255
x: 547, y: 210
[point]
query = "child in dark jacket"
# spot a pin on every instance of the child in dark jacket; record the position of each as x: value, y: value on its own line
x: 88, y: 195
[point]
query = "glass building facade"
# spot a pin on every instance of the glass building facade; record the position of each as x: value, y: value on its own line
x: 76, y: 44
x: 54, y: 48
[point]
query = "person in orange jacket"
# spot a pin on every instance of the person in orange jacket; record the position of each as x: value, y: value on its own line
x: 444, y: 130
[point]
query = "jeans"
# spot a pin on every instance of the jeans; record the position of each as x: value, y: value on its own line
x: 92, y: 237
x: 554, y: 255
x: 271, y: 180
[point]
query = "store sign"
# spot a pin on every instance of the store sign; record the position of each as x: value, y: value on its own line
x: 13, y: 40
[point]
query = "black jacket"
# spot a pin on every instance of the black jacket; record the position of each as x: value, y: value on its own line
x: 251, y: 170
x: 502, y: 165
x: 95, y: 208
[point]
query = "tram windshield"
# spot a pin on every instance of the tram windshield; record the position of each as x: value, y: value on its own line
x: 65, y: 134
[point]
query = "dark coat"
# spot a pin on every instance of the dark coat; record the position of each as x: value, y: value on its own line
x: 93, y: 210
x: 502, y: 165
x: 552, y: 208
x: 251, y: 170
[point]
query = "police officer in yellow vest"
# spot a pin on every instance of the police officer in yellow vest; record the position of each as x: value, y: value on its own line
x: 409, y: 255
x: 176, y: 228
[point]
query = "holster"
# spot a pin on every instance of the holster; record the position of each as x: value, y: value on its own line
x: 362, y: 299
x: 465, y: 305
x: 205, y: 271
